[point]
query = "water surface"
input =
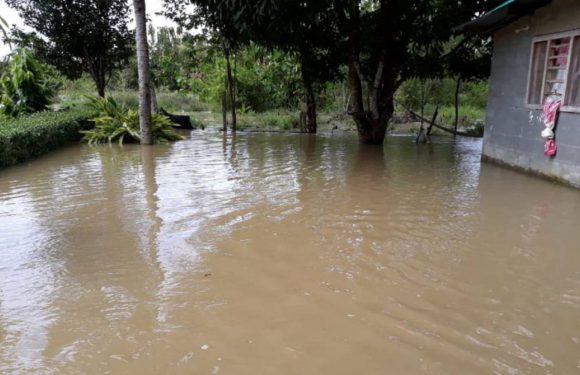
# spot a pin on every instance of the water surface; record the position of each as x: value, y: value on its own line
x: 286, y: 254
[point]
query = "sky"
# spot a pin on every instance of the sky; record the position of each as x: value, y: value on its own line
x: 153, y: 6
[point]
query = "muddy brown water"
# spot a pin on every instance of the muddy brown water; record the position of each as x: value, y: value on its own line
x: 286, y: 254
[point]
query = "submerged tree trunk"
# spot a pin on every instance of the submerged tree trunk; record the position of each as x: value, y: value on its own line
x: 311, y: 125
x: 224, y: 112
x: 231, y: 87
x: 144, y: 73
x: 372, y: 122
x: 457, y: 87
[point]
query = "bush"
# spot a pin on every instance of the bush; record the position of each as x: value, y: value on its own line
x: 24, y: 138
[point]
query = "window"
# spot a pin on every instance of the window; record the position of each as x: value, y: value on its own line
x: 555, y: 71
x: 573, y: 94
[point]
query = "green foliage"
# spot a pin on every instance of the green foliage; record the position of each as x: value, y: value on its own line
x: 173, y: 56
x: 27, y: 137
x: 441, y: 92
x: 78, y: 36
x: 24, y: 87
x: 265, y: 80
x: 116, y: 123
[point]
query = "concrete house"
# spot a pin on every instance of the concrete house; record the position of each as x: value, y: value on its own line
x: 536, y: 56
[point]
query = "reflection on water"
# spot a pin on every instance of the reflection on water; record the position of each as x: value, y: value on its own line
x: 286, y: 254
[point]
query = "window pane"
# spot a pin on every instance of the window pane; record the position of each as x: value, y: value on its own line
x: 573, y: 95
x: 537, y: 73
x: 556, y: 69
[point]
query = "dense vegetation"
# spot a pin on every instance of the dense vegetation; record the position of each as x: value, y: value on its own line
x: 355, y: 64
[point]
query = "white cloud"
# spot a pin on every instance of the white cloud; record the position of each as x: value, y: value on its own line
x: 153, y: 6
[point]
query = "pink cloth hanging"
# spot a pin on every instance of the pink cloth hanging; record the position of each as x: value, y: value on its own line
x: 550, y: 148
x: 551, y: 108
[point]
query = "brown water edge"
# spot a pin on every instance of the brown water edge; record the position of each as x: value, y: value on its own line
x: 286, y: 254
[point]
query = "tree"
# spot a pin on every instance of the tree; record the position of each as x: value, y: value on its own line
x: 309, y: 31
x: 144, y: 72
x: 80, y: 36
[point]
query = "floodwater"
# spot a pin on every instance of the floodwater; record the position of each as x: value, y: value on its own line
x: 286, y: 254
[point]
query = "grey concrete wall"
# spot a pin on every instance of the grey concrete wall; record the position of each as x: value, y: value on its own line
x: 512, y: 130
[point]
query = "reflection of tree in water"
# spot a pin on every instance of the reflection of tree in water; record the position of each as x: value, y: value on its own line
x: 111, y: 267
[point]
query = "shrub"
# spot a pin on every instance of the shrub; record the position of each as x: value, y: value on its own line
x: 27, y: 137
x: 116, y: 123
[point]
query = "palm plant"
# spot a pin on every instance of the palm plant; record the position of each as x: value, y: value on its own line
x: 116, y: 123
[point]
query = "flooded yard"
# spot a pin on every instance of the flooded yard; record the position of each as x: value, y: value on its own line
x: 286, y: 254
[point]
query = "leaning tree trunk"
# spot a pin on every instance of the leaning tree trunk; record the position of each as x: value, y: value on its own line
x: 144, y: 73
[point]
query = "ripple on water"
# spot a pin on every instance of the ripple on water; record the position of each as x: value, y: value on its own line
x: 308, y: 254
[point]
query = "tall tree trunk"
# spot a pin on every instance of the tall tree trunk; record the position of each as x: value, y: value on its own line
x: 457, y: 87
x: 231, y: 87
x: 144, y: 73
x: 311, y: 126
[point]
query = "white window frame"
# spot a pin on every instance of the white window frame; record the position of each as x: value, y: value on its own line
x: 572, y: 34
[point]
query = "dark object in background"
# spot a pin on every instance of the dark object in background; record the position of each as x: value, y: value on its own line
x: 179, y: 121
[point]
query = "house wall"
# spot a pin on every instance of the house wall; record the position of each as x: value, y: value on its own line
x: 512, y: 130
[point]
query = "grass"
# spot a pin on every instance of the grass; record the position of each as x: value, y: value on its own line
x: 27, y: 137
